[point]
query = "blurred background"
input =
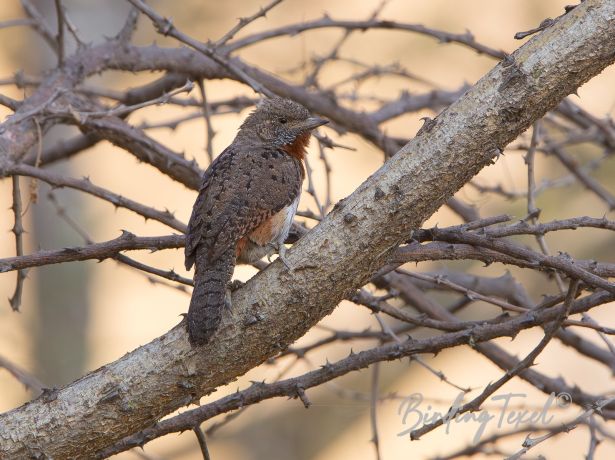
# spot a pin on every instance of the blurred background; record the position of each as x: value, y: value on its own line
x: 76, y: 317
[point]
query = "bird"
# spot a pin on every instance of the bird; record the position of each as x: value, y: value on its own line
x: 245, y: 206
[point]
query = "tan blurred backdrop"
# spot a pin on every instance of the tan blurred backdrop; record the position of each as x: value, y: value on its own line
x: 77, y: 317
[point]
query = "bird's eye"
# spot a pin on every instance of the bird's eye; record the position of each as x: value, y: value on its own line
x: 283, y: 120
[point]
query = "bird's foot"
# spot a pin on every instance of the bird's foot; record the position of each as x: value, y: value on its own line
x: 282, y: 256
x: 228, y: 304
x: 281, y: 249
x: 235, y: 285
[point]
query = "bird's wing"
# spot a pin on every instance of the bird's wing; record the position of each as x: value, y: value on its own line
x: 240, y: 190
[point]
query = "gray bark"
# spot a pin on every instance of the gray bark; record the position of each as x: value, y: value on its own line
x: 276, y: 307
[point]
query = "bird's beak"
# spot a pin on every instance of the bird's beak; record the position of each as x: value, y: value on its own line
x: 314, y: 122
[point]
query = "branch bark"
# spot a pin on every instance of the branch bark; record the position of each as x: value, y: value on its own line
x: 276, y: 307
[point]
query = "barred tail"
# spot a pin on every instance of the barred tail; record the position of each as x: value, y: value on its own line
x: 209, y: 296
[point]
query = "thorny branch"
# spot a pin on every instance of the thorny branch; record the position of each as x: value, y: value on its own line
x: 18, y: 230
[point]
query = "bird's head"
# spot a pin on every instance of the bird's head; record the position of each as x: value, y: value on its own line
x: 280, y: 122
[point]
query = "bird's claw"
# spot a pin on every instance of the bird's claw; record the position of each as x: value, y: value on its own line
x: 228, y: 303
x: 235, y: 285
x: 281, y: 249
x: 282, y: 256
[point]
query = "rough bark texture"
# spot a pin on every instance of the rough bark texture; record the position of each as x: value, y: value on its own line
x: 275, y: 308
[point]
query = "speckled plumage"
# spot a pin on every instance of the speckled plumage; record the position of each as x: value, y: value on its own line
x: 245, y: 205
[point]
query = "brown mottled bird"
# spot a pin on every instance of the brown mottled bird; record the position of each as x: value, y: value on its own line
x: 246, y: 204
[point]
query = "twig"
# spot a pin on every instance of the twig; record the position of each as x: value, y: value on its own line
x: 441, y: 250
x: 60, y: 33
x: 62, y: 150
x: 84, y: 185
x: 144, y: 148
x: 593, y: 439
x: 441, y: 280
x: 467, y: 212
x: 408, y: 103
x: 529, y: 442
x: 312, y: 78
x: 523, y: 228
x: 466, y: 39
x: 234, y: 415
x: 532, y: 211
x: 520, y: 367
x: 210, y: 133
x: 498, y: 190
x: 100, y: 251
x: 589, y: 182
x: 122, y: 110
x: 584, y: 119
x: 39, y: 24
x: 325, y: 162
x: 312, y: 191
x: 543, y: 25
x: 20, y: 117
x: 481, y: 446
x: 9, y: 102
x: 129, y: 27
x: 17, y: 22
x: 440, y: 375
x: 37, y: 161
x: 167, y: 274
x: 371, y: 71
x: 373, y: 409
x: 18, y: 230
x: 560, y: 262
x: 200, y: 436
x: 243, y: 22
x: 28, y: 380
x: 377, y: 305
x: 166, y: 28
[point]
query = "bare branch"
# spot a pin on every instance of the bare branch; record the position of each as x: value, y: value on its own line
x: 584, y: 417
x: 210, y: 133
x: 243, y: 22
x: 560, y: 262
x: 98, y: 251
x: 28, y: 380
x: 86, y: 186
x: 15, y: 300
x: 354, y: 362
x: 466, y: 39
x: 166, y: 28
x: 202, y: 442
x: 522, y: 365
x: 60, y: 34
x: 373, y: 414
x: 39, y: 24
